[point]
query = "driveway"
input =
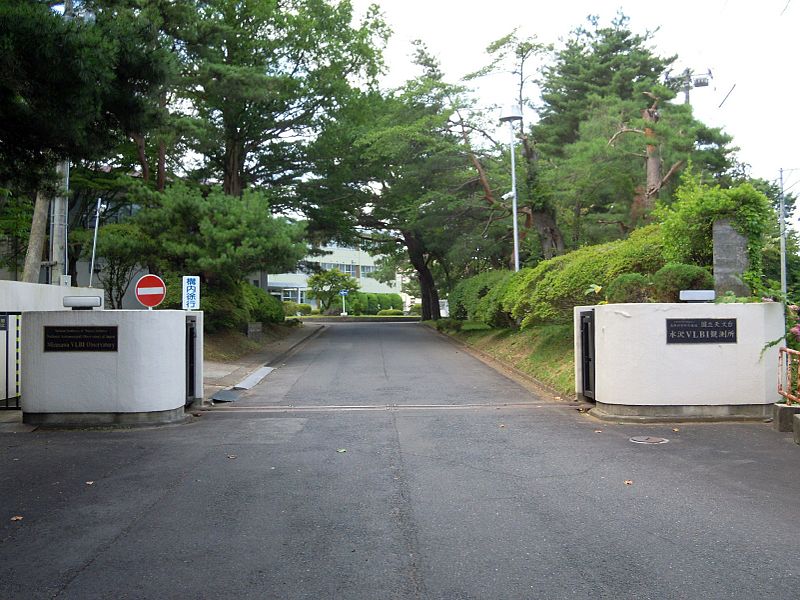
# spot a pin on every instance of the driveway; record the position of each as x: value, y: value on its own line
x: 382, y: 461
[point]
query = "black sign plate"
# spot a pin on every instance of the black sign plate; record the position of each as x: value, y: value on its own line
x: 58, y: 338
x: 3, y: 322
x: 701, y: 331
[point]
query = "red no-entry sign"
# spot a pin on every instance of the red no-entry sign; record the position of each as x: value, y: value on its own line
x: 150, y: 290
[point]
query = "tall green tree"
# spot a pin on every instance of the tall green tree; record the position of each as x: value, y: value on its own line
x: 597, y: 60
x: 261, y: 76
x: 191, y: 231
x: 388, y: 173
x: 69, y: 84
x: 326, y: 286
x: 120, y: 247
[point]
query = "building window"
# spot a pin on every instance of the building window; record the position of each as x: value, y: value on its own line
x: 367, y: 270
x: 347, y: 269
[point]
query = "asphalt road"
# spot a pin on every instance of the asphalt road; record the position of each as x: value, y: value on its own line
x: 383, y: 462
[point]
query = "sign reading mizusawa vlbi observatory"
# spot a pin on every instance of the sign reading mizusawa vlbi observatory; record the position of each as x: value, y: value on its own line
x: 701, y: 331
x: 85, y: 338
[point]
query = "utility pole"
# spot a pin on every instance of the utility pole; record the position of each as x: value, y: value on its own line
x: 689, y: 80
x: 783, y: 239
x: 59, y: 219
x: 59, y: 208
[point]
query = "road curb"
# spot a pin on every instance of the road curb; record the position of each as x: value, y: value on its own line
x: 231, y: 393
x: 528, y: 382
x: 286, y: 353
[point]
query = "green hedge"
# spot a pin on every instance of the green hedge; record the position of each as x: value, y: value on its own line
x: 465, y: 298
x: 260, y: 305
x: 674, y: 277
x: 548, y: 292
x: 361, y: 303
x: 629, y: 287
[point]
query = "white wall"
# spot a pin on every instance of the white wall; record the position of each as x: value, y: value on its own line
x: 16, y: 296
x: 146, y: 374
x: 635, y: 366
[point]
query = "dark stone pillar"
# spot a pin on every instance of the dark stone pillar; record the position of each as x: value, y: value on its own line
x: 730, y: 259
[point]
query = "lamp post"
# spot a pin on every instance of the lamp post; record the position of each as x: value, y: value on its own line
x: 511, y: 114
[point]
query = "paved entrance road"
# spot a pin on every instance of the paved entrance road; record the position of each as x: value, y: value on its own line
x: 468, y: 499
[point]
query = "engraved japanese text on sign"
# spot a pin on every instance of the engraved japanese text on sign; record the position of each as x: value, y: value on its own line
x: 80, y: 338
x: 701, y: 331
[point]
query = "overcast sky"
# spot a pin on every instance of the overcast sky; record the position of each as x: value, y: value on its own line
x: 752, y: 45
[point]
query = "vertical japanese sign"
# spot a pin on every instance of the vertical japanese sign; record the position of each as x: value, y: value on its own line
x: 191, y: 292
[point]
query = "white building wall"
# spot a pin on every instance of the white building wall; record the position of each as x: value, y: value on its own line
x: 146, y: 374
x: 634, y: 365
x: 351, y: 261
x: 16, y: 296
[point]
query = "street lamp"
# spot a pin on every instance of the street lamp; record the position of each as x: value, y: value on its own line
x: 511, y: 114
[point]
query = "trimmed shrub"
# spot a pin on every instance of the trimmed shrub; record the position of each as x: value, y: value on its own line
x: 304, y: 309
x: 395, y: 301
x: 466, y: 296
x: 357, y: 303
x: 629, y: 287
x: 384, y: 302
x: 260, y: 305
x: 490, y: 308
x: 674, y: 277
x: 448, y: 324
x: 222, y: 310
x: 415, y: 309
x: 548, y: 292
x: 290, y: 308
x: 373, y: 305
x: 390, y: 312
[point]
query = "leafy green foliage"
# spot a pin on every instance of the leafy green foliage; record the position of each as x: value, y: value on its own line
x: 599, y: 61
x: 120, y: 247
x: 674, y: 277
x: 291, y: 308
x: 390, y: 312
x: 70, y: 87
x: 687, y: 224
x: 219, y: 237
x: 490, y: 308
x: 261, y: 306
x: 326, y: 285
x: 449, y: 324
x: 628, y: 287
x: 263, y: 78
x: 548, y: 292
x: 15, y: 227
x: 465, y: 298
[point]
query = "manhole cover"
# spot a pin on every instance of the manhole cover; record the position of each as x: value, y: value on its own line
x: 648, y: 439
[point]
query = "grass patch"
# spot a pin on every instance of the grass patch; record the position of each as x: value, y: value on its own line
x: 225, y: 346
x: 544, y: 352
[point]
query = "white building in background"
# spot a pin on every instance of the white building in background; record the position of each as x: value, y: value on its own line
x: 351, y: 261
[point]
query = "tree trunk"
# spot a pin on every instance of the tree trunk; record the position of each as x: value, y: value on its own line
x: 653, y: 160
x: 430, y: 296
x: 232, y: 183
x: 550, y: 236
x: 138, y: 138
x: 33, y: 258
x: 161, y: 175
x: 542, y: 218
